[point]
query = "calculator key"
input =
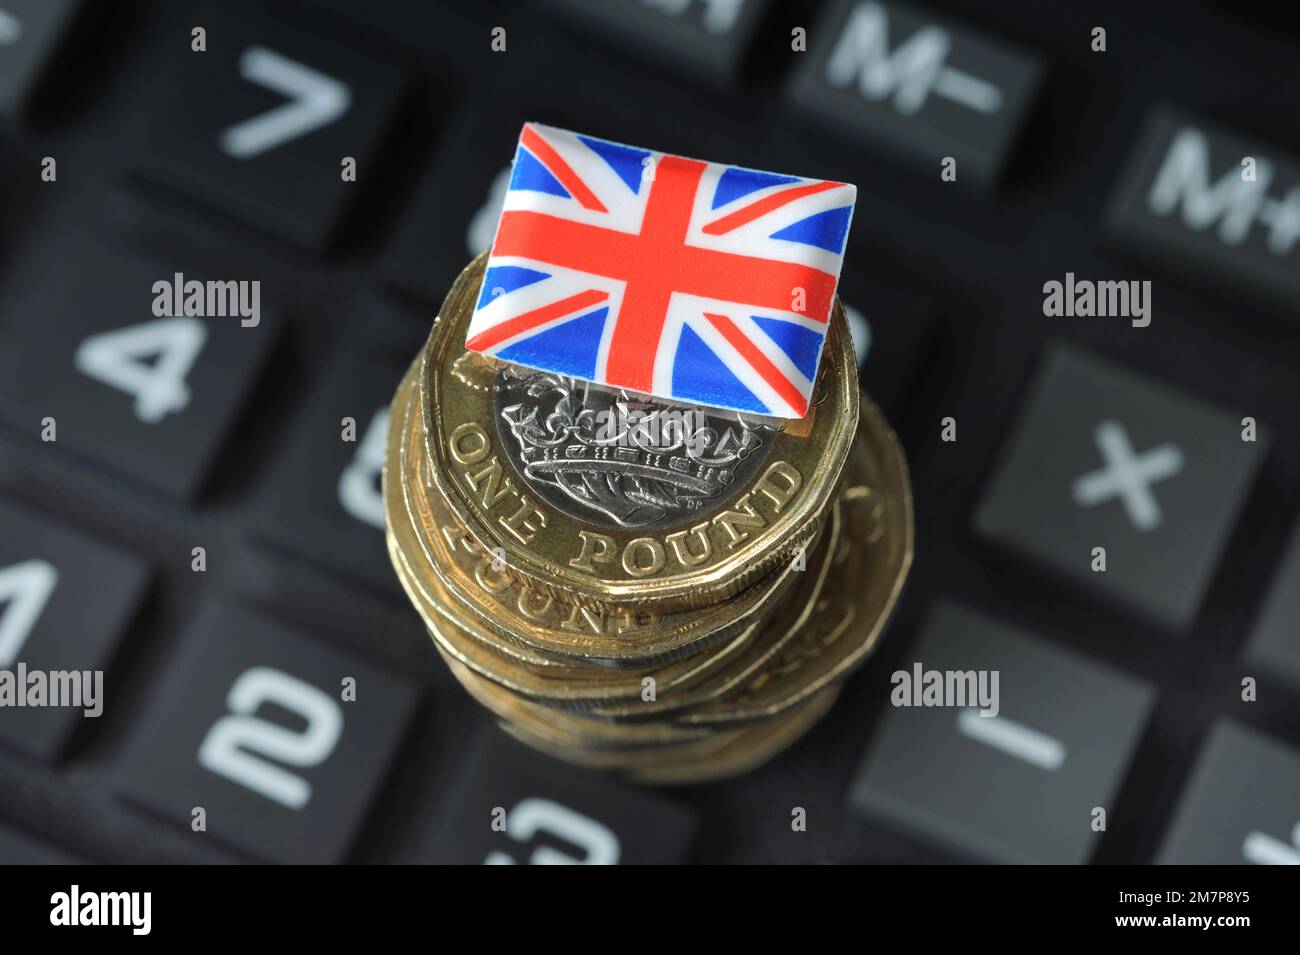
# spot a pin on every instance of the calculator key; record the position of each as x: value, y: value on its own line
x: 18, y: 848
x: 1216, y: 206
x: 66, y: 602
x: 1018, y: 786
x: 151, y: 397
x: 326, y: 499
x: 282, y: 742
x: 31, y: 32
x: 1242, y: 804
x: 514, y: 806
x: 259, y: 126
x: 1104, y: 457
x: 891, y: 327
x: 923, y: 85
x: 1275, y: 644
x: 453, y: 216
x: 707, y: 37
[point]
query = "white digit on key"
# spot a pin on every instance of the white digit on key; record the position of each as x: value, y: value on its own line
x: 1012, y: 738
x: 1263, y: 849
x: 11, y: 29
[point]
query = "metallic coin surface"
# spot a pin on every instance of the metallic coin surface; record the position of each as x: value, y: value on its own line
x: 570, y: 688
x: 570, y: 729
x: 669, y: 593
x: 751, y: 748
x: 564, y: 681
x: 610, y: 693
x: 727, y: 753
x: 620, y: 459
x: 868, y: 570
x: 733, y: 537
x: 776, y: 635
x: 537, y: 620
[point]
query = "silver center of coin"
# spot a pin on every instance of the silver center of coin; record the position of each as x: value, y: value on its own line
x: 621, y: 459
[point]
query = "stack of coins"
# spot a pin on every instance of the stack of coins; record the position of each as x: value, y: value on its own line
x: 670, y: 592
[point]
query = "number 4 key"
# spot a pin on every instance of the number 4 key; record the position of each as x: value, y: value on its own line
x: 152, y: 398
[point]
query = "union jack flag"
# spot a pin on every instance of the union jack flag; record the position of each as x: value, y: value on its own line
x: 690, y: 280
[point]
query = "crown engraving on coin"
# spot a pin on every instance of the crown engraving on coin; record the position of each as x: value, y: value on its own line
x: 627, y: 460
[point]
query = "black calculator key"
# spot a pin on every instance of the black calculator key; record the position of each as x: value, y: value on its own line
x: 891, y: 327
x: 255, y: 729
x: 514, y: 806
x: 30, y: 34
x: 923, y: 85
x: 1104, y: 457
x: 66, y: 602
x: 1214, y: 205
x: 151, y: 397
x: 453, y: 216
x: 1022, y: 785
x: 17, y: 848
x: 707, y: 37
x: 259, y: 126
x: 1275, y: 644
x: 325, y: 501
x: 1242, y: 804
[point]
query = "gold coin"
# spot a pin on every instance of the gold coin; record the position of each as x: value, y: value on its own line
x: 564, y: 685
x: 422, y: 576
x: 568, y: 729
x: 754, y: 746
x: 556, y: 680
x: 777, y: 634
x: 559, y: 474
x: 621, y: 694
x: 719, y: 756
x: 696, y: 752
x: 570, y: 687
x: 536, y: 620
x: 624, y: 597
x: 868, y: 570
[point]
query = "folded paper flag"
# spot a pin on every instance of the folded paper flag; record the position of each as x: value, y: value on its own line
x: 689, y: 280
